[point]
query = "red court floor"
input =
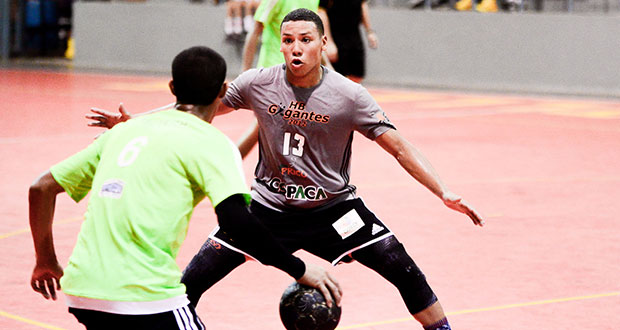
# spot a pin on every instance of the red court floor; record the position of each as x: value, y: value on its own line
x: 545, y: 172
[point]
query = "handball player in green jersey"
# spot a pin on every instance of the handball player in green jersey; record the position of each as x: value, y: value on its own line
x: 146, y: 177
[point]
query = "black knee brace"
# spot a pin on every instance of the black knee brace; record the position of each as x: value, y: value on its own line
x: 211, y: 264
x: 390, y: 260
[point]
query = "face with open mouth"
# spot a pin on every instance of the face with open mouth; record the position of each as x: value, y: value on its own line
x: 302, y: 47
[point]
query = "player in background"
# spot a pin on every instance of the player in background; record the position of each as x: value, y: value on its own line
x: 307, y: 115
x: 268, y: 16
x: 249, y: 8
x: 233, y: 22
x: 345, y: 47
x: 147, y: 175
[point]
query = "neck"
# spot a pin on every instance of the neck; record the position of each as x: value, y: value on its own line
x: 204, y: 112
x: 311, y: 79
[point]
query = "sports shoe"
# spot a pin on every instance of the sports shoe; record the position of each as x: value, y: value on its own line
x: 487, y: 6
x: 413, y: 4
x: 463, y: 5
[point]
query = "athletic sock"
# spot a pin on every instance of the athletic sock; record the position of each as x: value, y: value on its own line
x: 237, y: 25
x: 228, y: 26
x: 248, y: 23
x: 439, y: 325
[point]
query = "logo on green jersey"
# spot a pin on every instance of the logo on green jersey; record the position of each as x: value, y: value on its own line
x: 112, y: 188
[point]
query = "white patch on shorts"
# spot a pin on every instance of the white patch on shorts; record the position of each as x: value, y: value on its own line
x: 348, y: 224
x: 112, y: 189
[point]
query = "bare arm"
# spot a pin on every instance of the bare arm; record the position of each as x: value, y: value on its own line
x: 373, y: 40
x: 251, y: 43
x: 249, y: 139
x: 420, y: 168
x: 42, y: 200
x: 107, y: 119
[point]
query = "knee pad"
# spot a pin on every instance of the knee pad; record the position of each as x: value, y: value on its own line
x: 389, y: 258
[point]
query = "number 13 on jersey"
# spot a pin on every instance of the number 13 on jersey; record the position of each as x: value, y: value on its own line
x: 296, y: 151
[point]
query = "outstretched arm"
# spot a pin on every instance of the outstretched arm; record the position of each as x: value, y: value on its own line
x: 420, y: 168
x: 108, y: 119
x: 42, y: 200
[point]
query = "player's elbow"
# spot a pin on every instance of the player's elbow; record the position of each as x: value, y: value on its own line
x: 45, y: 184
x: 233, y: 216
x: 38, y: 187
x: 35, y: 192
x: 399, y: 151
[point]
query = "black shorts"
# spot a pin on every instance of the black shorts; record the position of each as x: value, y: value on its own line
x: 184, y: 318
x: 332, y: 233
x: 351, y: 62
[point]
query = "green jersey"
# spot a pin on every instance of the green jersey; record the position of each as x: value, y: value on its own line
x: 147, y: 175
x: 271, y: 13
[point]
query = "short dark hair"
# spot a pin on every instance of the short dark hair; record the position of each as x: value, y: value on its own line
x: 197, y: 75
x: 303, y: 14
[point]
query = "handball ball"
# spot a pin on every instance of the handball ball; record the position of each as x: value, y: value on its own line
x: 304, y: 308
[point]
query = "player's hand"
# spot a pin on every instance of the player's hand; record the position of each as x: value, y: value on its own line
x: 46, y: 279
x: 373, y: 40
x: 316, y: 277
x: 457, y: 203
x: 107, y: 119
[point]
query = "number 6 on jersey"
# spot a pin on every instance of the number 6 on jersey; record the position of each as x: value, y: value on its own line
x: 129, y: 154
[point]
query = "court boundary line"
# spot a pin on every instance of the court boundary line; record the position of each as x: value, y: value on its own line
x: 489, y: 309
x: 401, y: 320
x: 29, y: 321
x: 21, y: 318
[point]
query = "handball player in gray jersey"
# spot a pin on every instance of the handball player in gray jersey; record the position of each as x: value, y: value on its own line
x: 307, y: 115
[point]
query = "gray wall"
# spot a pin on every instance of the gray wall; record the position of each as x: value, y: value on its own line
x: 520, y: 52
x: 534, y: 53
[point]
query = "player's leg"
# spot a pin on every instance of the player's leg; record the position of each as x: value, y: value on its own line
x: 212, y: 263
x: 351, y: 62
x: 356, y: 59
x: 350, y: 226
x: 390, y: 260
x: 228, y: 20
x: 248, y: 14
x: 217, y: 258
x: 236, y: 7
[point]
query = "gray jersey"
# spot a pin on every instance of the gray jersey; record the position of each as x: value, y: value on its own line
x: 305, y: 135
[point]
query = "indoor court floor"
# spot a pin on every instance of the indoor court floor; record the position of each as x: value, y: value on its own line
x: 544, y: 172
